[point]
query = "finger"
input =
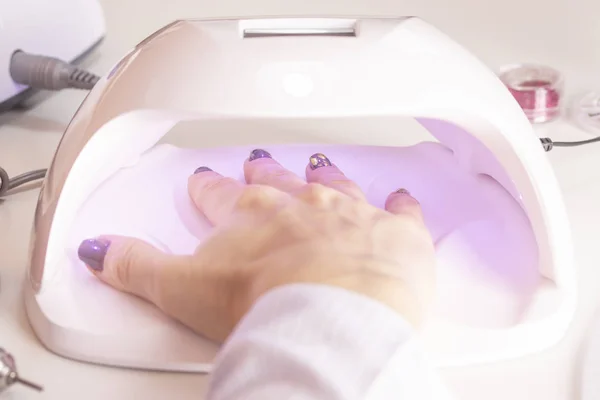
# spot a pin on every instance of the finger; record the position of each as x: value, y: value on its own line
x: 129, y: 265
x: 219, y: 197
x: 177, y: 284
x: 401, y: 202
x: 213, y: 194
x: 321, y: 170
x: 261, y: 169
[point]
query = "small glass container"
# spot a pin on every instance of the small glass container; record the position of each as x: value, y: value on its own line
x: 538, y: 90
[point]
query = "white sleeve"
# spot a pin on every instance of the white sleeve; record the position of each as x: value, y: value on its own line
x: 314, y: 342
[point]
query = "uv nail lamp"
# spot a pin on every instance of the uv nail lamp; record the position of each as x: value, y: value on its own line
x: 392, y: 101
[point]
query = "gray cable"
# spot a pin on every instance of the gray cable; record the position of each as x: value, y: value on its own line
x: 549, y: 144
x: 48, y: 73
x: 4, y: 181
x: 7, y: 184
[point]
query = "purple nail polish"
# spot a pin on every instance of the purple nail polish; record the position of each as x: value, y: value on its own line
x: 403, y: 191
x: 92, y: 253
x: 259, y: 153
x: 319, y: 160
x: 202, y: 169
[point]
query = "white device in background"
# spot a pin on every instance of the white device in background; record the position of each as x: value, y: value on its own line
x: 356, y: 89
x: 63, y: 29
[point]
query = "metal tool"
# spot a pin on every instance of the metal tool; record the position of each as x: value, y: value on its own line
x: 9, y: 375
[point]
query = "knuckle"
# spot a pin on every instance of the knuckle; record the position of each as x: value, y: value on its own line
x: 208, y: 187
x: 127, y: 258
x: 123, y: 270
x: 216, y: 184
x: 275, y: 173
x: 269, y: 175
x: 255, y: 197
x: 348, y: 187
x: 343, y: 182
x: 317, y: 194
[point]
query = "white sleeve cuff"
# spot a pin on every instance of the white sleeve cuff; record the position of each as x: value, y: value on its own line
x: 306, y: 341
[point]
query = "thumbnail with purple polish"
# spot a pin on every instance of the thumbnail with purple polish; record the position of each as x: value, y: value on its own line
x: 259, y: 153
x: 319, y: 160
x: 403, y: 191
x: 202, y: 169
x: 92, y: 253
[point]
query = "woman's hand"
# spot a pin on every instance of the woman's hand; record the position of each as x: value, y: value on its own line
x: 277, y: 230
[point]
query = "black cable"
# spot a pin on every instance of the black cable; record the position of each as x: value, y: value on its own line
x: 7, y: 183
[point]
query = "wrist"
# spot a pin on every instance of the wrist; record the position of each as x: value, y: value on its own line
x: 391, y: 292
x: 388, y: 291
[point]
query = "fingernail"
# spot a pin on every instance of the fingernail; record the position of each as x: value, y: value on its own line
x: 403, y: 191
x: 319, y: 160
x: 259, y: 153
x: 202, y: 169
x: 92, y: 253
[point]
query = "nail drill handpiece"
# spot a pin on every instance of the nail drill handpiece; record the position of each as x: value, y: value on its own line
x: 9, y: 375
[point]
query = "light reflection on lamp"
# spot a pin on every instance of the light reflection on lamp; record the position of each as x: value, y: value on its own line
x: 298, y: 85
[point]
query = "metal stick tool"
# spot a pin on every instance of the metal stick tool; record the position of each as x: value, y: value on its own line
x: 9, y: 375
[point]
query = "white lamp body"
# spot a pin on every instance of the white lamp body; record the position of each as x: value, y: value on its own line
x: 288, y: 72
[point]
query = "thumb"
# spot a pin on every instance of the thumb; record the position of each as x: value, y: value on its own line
x: 131, y: 265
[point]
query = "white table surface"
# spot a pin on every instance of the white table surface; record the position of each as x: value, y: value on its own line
x: 561, y: 33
